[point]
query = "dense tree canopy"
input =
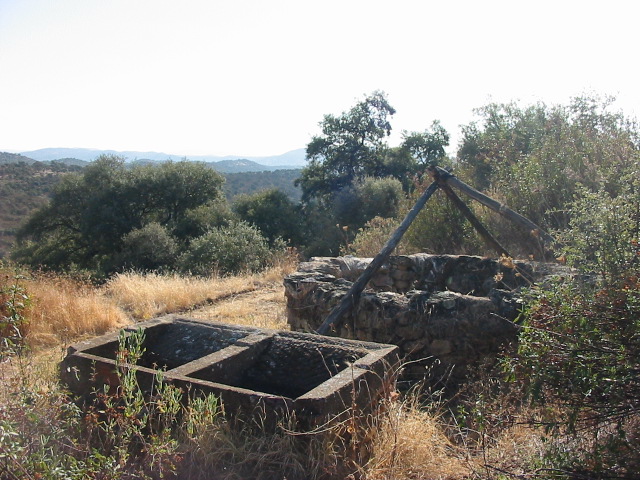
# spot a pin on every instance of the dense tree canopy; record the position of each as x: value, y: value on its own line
x: 94, y: 215
x: 537, y: 158
x: 557, y: 165
x: 273, y: 213
x: 353, y: 175
x: 351, y: 146
x: 426, y: 147
x: 367, y: 198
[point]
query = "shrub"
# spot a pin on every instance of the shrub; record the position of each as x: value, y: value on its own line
x: 199, y: 220
x: 91, y: 213
x: 538, y: 158
x: 579, y: 356
x: 441, y: 228
x: 14, y: 304
x: 367, y: 198
x: 237, y: 248
x: 148, y: 248
x: 273, y: 213
x: 603, y: 233
x: 372, y: 237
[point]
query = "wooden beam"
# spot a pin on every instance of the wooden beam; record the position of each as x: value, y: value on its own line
x: 466, y: 211
x: 494, y: 205
x: 353, y: 295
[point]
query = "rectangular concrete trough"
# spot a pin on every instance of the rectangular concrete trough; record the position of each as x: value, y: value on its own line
x: 254, y: 371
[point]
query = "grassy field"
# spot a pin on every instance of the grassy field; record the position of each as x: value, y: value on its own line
x: 43, y: 435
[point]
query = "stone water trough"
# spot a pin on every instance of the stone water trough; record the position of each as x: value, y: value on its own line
x: 253, y: 371
x: 444, y: 312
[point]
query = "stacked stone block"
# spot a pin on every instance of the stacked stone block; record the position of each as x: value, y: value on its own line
x: 445, y: 312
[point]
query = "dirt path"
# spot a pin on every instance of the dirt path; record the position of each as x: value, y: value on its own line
x: 263, y: 308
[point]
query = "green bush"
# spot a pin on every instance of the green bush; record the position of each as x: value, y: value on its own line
x: 579, y: 356
x: 603, y: 233
x: 148, y: 248
x: 234, y: 249
x: 440, y: 228
x: 323, y: 235
x: 537, y: 159
x: 90, y: 214
x: 273, y: 213
x: 199, y: 220
x: 372, y: 237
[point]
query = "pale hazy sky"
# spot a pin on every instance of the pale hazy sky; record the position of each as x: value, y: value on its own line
x: 255, y: 77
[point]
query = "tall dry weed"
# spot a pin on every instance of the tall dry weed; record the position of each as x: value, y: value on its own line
x: 231, y: 451
x: 64, y: 309
x: 146, y: 295
x: 411, y: 443
x: 265, y: 308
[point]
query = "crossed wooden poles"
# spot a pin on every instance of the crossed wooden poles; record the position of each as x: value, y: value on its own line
x: 444, y: 180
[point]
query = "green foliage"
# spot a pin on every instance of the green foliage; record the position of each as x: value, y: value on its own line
x: 538, y: 158
x: 324, y: 236
x: 273, y: 213
x: 440, y: 228
x: 367, y: 198
x: 370, y: 239
x: 14, y: 302
x: 236, y: 248
x: 174, y: 188
x: 250, y: 183
x: 400, y: 164
x: 351, y: 146
x: 331, y: 229
x: 148, y: 248
x: 428, y: 146
x: 124, y: 433
x: 91, y: 213
x: 603, y: 232
x: 579, y: 353
x: 199, y: 220
x: 538, y: 155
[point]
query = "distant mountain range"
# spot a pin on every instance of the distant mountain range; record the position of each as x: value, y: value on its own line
x: 289, y: 160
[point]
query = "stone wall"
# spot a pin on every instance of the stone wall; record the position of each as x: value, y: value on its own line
x: 445, y: 312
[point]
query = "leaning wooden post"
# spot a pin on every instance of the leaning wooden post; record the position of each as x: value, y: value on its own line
x: 494, y: 205
x: 466, y: 211
x: 353, y: 295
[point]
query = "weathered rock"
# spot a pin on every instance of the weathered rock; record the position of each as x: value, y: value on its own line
x: 444, y: 311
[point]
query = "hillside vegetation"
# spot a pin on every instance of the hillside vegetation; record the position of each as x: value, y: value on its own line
x: 6, y: 157
x: 563, y: 402
x: 25, y: 187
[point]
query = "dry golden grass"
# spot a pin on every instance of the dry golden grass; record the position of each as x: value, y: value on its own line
x: 264, y: 308
x: 145, y: 296
x: 233, y: 453
x: 411, y: 443
x: 408, y: 443
x: 36, y: 373
x: 514, y: 444
x: 64, y: 309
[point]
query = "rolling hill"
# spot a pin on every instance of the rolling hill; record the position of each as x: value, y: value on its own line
x: 292, y: 159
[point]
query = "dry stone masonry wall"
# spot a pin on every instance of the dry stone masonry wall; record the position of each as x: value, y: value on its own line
x: 445, y: 312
